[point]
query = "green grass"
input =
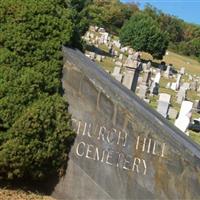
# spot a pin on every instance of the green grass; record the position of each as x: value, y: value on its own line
x: 191, y: 66
x: 195, y: 136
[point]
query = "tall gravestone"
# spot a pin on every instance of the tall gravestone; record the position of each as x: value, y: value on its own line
x: 123, y: 149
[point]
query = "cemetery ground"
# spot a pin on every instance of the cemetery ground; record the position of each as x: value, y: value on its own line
x: 192, y: 69
x: 17, y: 194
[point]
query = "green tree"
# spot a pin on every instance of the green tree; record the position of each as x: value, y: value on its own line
x: 142, y: 33
x: 110, y: 14
x: 34, y: 120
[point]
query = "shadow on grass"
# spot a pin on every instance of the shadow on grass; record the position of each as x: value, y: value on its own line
x: 98, y: 51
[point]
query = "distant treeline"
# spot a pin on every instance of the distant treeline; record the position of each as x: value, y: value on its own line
x: 112, y: 14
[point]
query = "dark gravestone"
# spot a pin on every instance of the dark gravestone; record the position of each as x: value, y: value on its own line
x: 123, y: 149
x: 136, y: 76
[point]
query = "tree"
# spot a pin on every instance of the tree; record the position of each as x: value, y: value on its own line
x: 34, y: 120
x: 142, y: 33
x: 110, y: 14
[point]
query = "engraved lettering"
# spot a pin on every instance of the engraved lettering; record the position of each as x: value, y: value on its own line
x: 96, y: 155
x: 103, y: 155
x: 149, y: 146
x: 122, y: 138
x: 88, y: 151
x: 154, y: 147
x: 163, y: 149
x: 109, y: 156
x: 137, y: 143
x: 101, y: 133
x: 77, y: 149
x: 144, y: 144
x: 87, y: 129
x: 136, y: 163
x: 126, y: 162
x: 145, y: 166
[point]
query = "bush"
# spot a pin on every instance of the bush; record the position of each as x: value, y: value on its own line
x: 34, y: 120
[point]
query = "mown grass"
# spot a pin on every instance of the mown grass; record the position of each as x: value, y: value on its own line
x: 191, y: 66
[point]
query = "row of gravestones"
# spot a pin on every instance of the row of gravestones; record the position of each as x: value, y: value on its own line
x: 127, y: 71
x: 163, y: 106
x: 98, y: 36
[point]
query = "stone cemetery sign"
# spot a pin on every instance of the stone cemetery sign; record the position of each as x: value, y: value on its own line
x: 123, y: 149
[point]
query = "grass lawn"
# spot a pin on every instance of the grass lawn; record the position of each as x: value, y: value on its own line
x: 191, y: 66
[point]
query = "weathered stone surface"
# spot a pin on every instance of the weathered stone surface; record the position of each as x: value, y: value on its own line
x: 123, y: 149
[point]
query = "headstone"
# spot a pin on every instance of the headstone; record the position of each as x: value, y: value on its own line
x: 124, y: 49
x: 117, y: 44
x: 130, y: 51
x: 128, y: 78
x: 116, y: 70
x: 173, y: 86
x: 163, y: 104
x: 92, y: 55
x: 92, y: 28
x: 149, y: 65
x: 190, y: 77
x: 183, y: 119
x: 181, y: 96
x: 121, y: 57
x: 131, y: 76
x: 167, y: 72
x: 101, y: 30
x: 178, y: 81
x: 155, y: 85
x: 147, y: 78
x: 157, y: 77
x: 186, y: 86
x: 182, y: 70
x: 168, y: 85
x: 118, y: 77
x: 193, y: 85
x: 130, y: 62
x: 155, y: 89
x: 172, y: 113
x: 142, y: 91
x: 118, y: 63
x: 136, y: 56
x: 99, y: 58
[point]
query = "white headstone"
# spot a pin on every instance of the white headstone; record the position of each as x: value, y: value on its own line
x: 173, y: 86
x: 157, y: 78
x: 184, y: 116
x: 163, y: 104
x: 116, y: 70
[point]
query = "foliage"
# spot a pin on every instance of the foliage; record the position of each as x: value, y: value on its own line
x: 110, y: 14
x: 183, y: 37
x: 34, y: 119
x: 36, y: 143
x: 142, y: 33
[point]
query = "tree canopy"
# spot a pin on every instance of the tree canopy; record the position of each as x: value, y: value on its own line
x: 110, y: 14
x: 142, y: 33
x: 34, y: 120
